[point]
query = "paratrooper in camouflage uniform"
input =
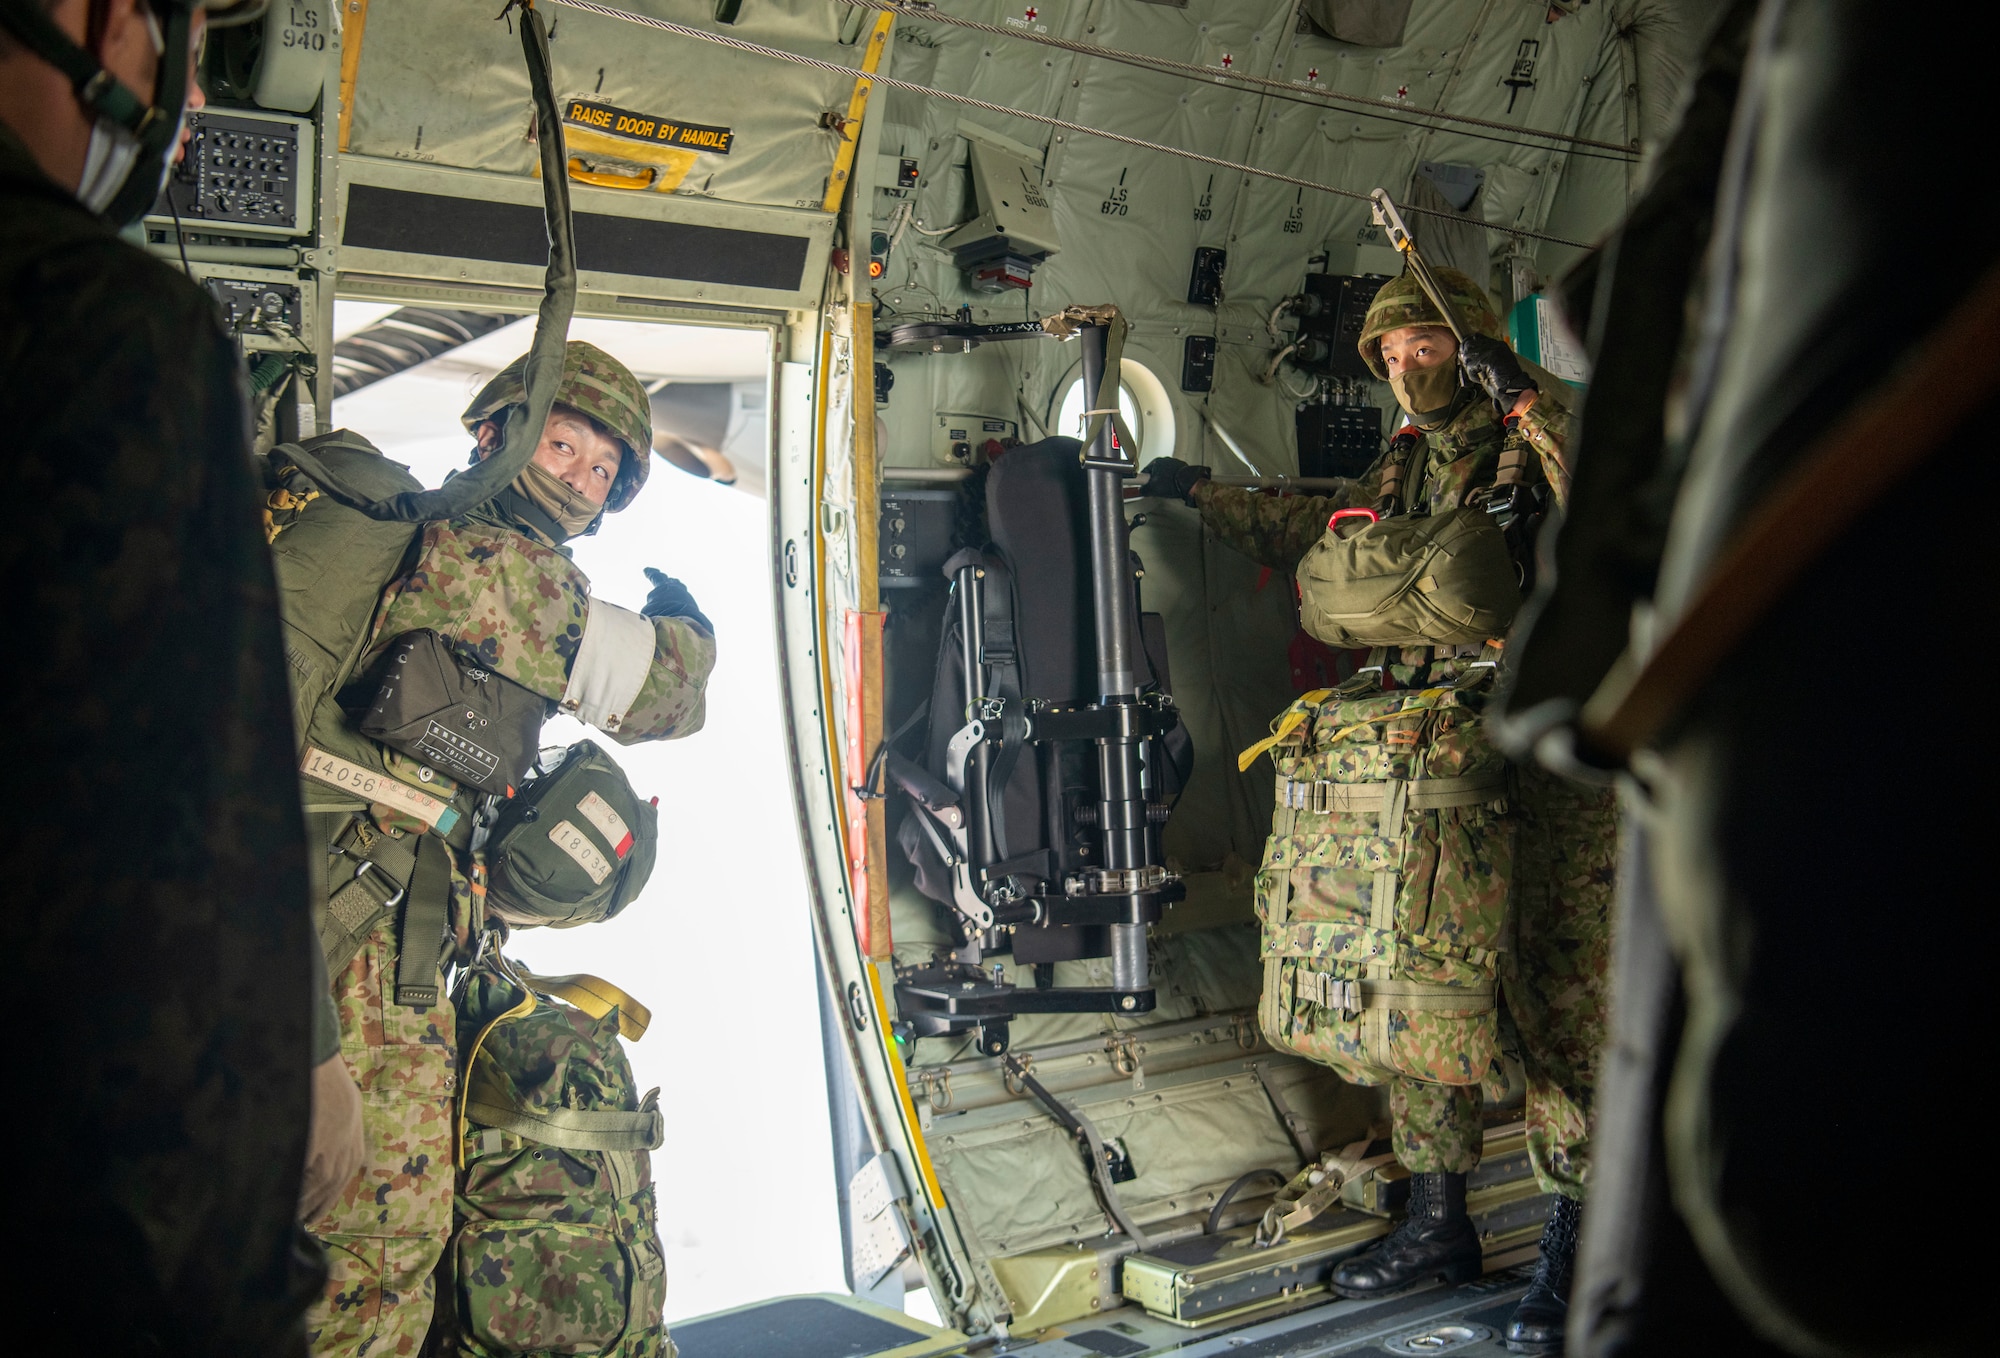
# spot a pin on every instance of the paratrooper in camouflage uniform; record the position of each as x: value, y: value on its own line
x: 497, y: 582
x: 1516, y: 889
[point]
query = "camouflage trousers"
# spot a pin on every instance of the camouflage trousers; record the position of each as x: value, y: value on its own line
x: 1554, y: 983
x: 384, y: 1238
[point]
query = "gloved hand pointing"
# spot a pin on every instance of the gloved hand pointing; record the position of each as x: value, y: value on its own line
x: 671, y: 599
x: 1169, y: 478
x: 1493, y: 366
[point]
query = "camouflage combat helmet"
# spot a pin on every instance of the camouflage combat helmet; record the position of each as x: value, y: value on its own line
x: 1402, y: 302
x: 602, y: 388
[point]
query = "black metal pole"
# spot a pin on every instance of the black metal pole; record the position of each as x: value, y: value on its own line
x: 1121, y: 790
x: 971, y: 584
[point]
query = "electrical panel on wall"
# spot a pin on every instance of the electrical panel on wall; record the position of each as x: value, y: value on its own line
x: 241, y: 210
x: 915, y: 536
x: 1331, y: 310
x: 265, y: 309
x: 1198, y: 363
x: 1338, y: 440
x: 246, y: 173
x: 964, y: 440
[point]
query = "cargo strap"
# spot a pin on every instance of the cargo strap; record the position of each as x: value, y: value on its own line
x: 1316, y: 1189
x: 1381, y: 918
x: 1088, y: 1139
x: 426, y: 913
x: 1355, y: 996
x: 1425, y: 794
x: 1516, y: 460
x: 1296, y: 1127
x: 384, y: 863
x: 576, y: 1129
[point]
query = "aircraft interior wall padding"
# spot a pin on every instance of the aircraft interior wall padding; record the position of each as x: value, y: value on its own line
x: 433, y: 87
x: 1230, y: 78
x: 1065, y: 125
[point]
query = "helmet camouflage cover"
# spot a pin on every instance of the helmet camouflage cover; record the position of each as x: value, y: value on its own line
x: 1402, y: 303
x: 598, y: 385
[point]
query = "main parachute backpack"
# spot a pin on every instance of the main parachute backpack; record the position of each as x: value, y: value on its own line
x: 555, y: 1243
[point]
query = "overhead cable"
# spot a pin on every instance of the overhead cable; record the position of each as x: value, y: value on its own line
x: 1365, y: 105
x: 1062, y: 124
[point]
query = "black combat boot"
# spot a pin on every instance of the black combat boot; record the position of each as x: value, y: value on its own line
x: 1537, y: 1326
x: 1435, y: 1240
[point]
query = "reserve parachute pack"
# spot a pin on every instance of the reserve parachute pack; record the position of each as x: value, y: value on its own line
x: 440, y: 706
x: 1410, y: 580
x: 574, y: 845
x: 555, y: 1244
x: 1384, y: 887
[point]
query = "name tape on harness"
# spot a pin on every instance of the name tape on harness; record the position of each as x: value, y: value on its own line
x: 621, y: 122
x: 379, y: 788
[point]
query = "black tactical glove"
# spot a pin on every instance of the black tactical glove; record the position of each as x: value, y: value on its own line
x: 1169, y: 478
x: 670, y: 599
x: 1493, y: 367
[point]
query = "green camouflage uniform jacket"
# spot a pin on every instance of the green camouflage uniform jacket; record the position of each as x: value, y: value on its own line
x: 157, y: 930
x: 1515, y: 889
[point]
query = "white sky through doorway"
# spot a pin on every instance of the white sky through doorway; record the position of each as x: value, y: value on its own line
x: 720, y: 944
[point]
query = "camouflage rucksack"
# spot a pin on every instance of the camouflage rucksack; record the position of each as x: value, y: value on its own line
x: 1384, y: 887
x: 555, y: 1243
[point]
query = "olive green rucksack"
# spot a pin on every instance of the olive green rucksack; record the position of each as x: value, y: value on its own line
x: 574, y: 845
x: 555, y: 1243
x: 1411, y: 580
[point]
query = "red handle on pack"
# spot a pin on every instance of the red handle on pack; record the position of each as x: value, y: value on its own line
x: 1340, y: 514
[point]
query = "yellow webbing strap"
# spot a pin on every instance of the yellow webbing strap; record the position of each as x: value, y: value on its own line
x: 1284, y: 726
x: 1423, y: 700
x: 521, y: 1010
x: 596, y: 997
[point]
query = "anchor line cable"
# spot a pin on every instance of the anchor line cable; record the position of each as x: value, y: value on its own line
x: 1062, y: 124
x: 1364, y: 105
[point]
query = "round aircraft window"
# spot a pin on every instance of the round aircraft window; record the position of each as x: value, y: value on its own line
x: 1142, y: 400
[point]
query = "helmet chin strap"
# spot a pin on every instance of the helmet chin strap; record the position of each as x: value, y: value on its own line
x: 104, y: 96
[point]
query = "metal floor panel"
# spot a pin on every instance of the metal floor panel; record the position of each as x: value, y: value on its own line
x: 1465, y: 1320
x: 827, y: 1326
